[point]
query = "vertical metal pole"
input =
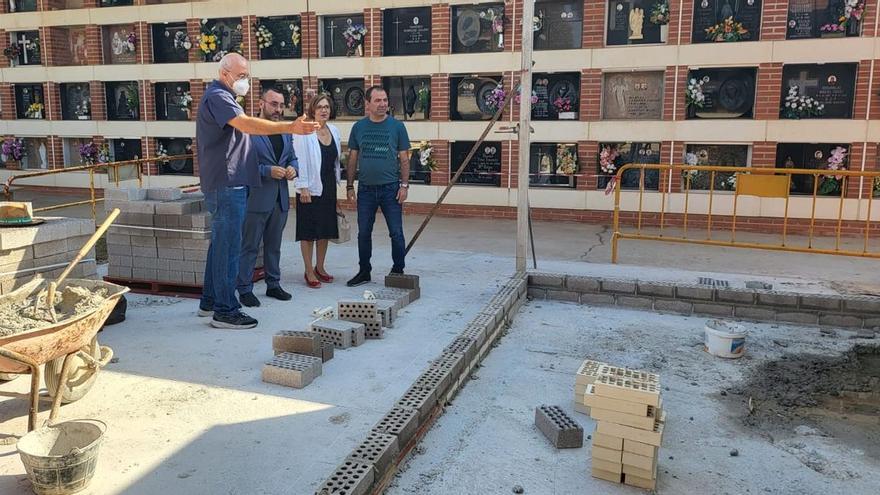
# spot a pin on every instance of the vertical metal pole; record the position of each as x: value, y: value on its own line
x: 525, y: 120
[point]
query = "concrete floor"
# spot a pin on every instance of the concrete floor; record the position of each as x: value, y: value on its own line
x: 486, y: 441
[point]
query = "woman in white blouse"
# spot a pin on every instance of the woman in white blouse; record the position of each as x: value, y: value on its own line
x: 319, y: 173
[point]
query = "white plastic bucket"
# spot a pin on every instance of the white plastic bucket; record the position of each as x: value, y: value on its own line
x: 725, y: 339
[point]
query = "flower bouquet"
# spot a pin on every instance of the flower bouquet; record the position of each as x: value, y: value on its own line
x: 660, y: 16
x: 423, y: 99
x: 354, y: 36
x: 832, y: 184
x: 34, y: 111
x: 13, y: 151
x: 495, y: 98
x: 727, y: 30
x: 566, y: 160
x: 426, y: 156
x: 693, y: 95
x: 295, y: 34
x: 182, y: 41
x: 161, y: 153
x: 797, y: 106
x: 12, y: 51
x: 562, y: 105
x: 89, y: 153
x: 264, y: 37
x: 496, y: 19
x: 608, y: 165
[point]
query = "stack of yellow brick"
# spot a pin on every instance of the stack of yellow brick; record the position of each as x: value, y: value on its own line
x: 629, y: 418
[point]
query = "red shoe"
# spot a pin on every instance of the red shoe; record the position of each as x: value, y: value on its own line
x: 323, y: 277
x: 312, y: 285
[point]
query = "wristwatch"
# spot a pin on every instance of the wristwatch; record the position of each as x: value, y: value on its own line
x: 404, y: 185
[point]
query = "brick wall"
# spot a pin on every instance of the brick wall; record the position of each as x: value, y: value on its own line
x: 875, y: 92
x: 514, y: 12
x: 675, y: 156
x: 7, y: 101
x: 764, y: 154
x: 53, y: 101
x: 310, y: 35
x: 591, y: 95
x: 439, y: 97
x: 144, y: 45
x: 195, y: 159
x: 509, y: 162
x: 774, y: 19
x: 588, y: 151
x: 440, y: 177
x: 594, y: 24
x: 681, y: 35
x: 193, y: 29
x: 373, y: 41
x: 196, y: 90
x: 148, y: 100
x: 860, y: 105
x: 55, y: 151
x: 148, y: 148
x: 441, y: 31
x: 94, y: 45
x: 855, y: 184
x: 99, y: 100
x: 769, y: 90
x: 869, y: 18
x: 249, y: 47
x: 4, y: 42
x: 673, y: 98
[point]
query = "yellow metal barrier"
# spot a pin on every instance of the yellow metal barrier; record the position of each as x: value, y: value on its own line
x: 747, y: 181
x: 91, y: 169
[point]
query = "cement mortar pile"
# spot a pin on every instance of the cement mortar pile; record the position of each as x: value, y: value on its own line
x: 72, y: 301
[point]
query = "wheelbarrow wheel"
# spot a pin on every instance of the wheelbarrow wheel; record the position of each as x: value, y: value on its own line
x: 82, y: 374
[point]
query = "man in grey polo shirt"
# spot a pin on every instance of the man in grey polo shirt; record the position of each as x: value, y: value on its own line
x: 226, y: 170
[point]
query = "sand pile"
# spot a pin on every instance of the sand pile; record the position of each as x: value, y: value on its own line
x: 22, y: 316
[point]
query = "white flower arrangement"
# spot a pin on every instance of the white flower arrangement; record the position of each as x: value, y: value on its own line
x: 694, y: 94
x: 264, y: 37
x: 426, y: 156
x: 797, y: 106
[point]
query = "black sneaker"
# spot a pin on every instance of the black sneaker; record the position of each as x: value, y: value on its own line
x: 396, y: 271
x: 279, y: 293
x: 360, y: 279
x: 249, y: 300
x: 238, y: 321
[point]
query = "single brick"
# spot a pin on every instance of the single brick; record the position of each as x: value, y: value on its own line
x: 694, y: 292
x: 778, y: 299
x: 399, y: 422
x: 169, y: 253
x: 387, y: 310
x: 326, y: 351
x: 713, y: 309
x: 861, y: 304
x: 754, y: 313
x: 562, y: 431
x: 803, y: 318
x: 598, y: 299
x: 638, y: 302
x: 144, y: 252
x: 661, y: 289
x: 288, y: 373
x: 402, y: 281
x: 390, y: 293
x: 582, y: 284
x: 357, y: 310
x: 454, y: 362
x: 836, y: 320
x: 464, y: 346
x: 371, y: 330
x: 337, y: 332
x: 435, y: 378
x: 419, y: 399
x: 739, y: 296
x: 118, y: 250
x: 537, y: 293
x: 308, y: 343
x: 378, y: 449
x: 350, y: 478
x: 164, y: 193
x: 618, y: 286
x: 292, y: 357
x: 415, y: 294
x: 181, y: 207
x: 818, y: 301
x: 673, y: 306
x: 125, y: 194
x: 546, y: 280
x: 195, y: 255
x: 564, y: 295
x: 475, y: 332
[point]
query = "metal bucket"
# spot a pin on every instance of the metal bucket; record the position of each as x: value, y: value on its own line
x: 60, y: 459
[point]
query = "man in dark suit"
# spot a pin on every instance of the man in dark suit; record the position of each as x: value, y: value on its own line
x: 267, y: 205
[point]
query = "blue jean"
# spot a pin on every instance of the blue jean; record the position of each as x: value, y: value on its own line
x: 227, y: 207
x: 370, y: 199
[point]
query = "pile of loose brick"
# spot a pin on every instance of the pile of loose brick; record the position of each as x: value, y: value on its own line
x: 44, y: 251
x: 299, y: 355
x: 627, y: 407
x: 162, y: 235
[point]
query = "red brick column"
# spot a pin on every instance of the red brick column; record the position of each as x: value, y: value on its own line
x: 148, y: 149
x: 441, y: 31
x: 774, y: 19
x: 875, y: 93
x: 310, y: 35
x: 196, y: 90
x: 94, y: 47
x: 144, y: 45
x: 249, y: 47
x: 44, y: 5
x: 148, y: 100
x: 510, y: 82
x: 860, y: 106
x: 588, y: 152
x: 591, y: 95
x: 673, y: 94
x: 680, y: 35
x: 441, y: 176
x: 514, y: 12
x: 769, y: 90
x: 872, y: 164
x: 764, y: 154
x: 310, y: 88
x: 99, y: 102
x: 854, y: 184
x: 55, y: 151
x: 7, y: 101
x: 252, y: 107
x: 195, y: 158
x: 671, y: 153
x: 4, y: 42
x: 509, y: 164
x: 869, y: 18
x: 440, y: 97
x: 93, y: 4
x: 193, y: 29
x: 53, y: 100
x: 4, y: 7
x: 594, y: 23
x: 46, y: 52
x: 372, y: 80
x: 373, y: 41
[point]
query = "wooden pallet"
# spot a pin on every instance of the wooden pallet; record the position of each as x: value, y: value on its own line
x: 157, y: 288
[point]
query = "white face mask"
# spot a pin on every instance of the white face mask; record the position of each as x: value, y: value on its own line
x: 241, y: 87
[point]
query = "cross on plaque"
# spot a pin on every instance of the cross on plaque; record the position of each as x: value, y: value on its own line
x: 24, y: 42
x: 803, y: 83
x: 332, y: 27
x: 397, y: 24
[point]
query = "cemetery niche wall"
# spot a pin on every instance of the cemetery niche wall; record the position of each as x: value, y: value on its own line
x: 418, y: 173
x: 407, y: 31
x: 823, y: 19
x: 343, y: 35
x: 292, y: 90
x: 29, y: 101
x: 173, y: 101
x: 171, y: 43
x: 558, y: 25
x: 484, y: 168
x: 818, y: 91
x: 632, y: 95
x: 74, y: 50
x: 722, y: 155
x: 478, y: 28
x: 613, y: 155
x: 120, y: 44
x: 474, y: 97
x: 123, y: 100
x: 122, y: 149
x: 76, y: 101
x: 170, y: 147
x: 726, y: 21
x: 722, y: 93
x: 36, y: 153
x: 817, y: 156
x: 279, y: 37
x: 24, y: 48
x: 553, y: 165
x: 218, y: 37
x: 557, y: 95
x: 348, y: 97
x: 630, y: 23
x: 409, y: 98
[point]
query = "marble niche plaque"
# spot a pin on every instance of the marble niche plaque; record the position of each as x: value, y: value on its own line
x: 558, y: 25
x: 348, y: 97
x: 292, y: 90
x: 171, y: 43
x: 117, y: 49
x: 468, y: 97
x: 484, y: 169
x: 286, y: 33
x: 632, y: 96
x: 831, y: 85
x: 76, y: 101
x: 407, y: 31
x: 409, y: 97
x: 475, y: 28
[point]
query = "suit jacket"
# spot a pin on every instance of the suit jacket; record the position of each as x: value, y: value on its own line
x: 262, y: 199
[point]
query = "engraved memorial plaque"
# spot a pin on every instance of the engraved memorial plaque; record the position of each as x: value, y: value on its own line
x: 343, y: 35
x: 77, y: 46
x: 830, y: 85
x: 544, y: 166
x: 806, y: 155
x: 229, y: 37
x: 175, y: 147
x: 469, y: 97
x: 348, y: 97
x: 28, y: 45
x: 407, y: 31
x: 409, y: 97
x: 722, y: 155
x: 629, y: 152
x: 478, y: 28
x: 558, y: 96
x: 171, y: 43
x: 558, y: 25
x: 282, y: 34
x: 120, y: 46
x: 29, y: 101
x: 123, y: 100
x: 484, y: 168
x: 629, y: 23
x: 292, y: 91
x: 713, y: 13
x: 173, y: 101
x: 729, y: 93
x: 76, y: 101
x: 632, y: 96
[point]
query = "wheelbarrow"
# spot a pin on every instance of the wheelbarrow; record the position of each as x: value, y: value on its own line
x: 68, y: 348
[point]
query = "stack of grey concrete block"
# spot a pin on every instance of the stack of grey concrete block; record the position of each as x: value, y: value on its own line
x: 162, y: 235
x: 44, y: 251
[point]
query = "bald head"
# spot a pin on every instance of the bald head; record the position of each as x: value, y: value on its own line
x: 233, y: 67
